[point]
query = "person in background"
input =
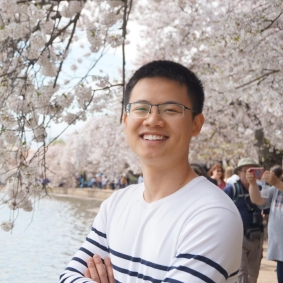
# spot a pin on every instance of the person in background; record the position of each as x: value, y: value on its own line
x: 99, y: 180
x: 200, y: 170
x: 228, y: 173
x: 252, y: 222
x: 123, y: 182
x: 112, y: 183
x: 273, y: 199
x: 216, y: 173
x: 104, y: 182
x: 140, y: 179
x: 233, y: 179
x: 116, y: 183
x: 92, y: 182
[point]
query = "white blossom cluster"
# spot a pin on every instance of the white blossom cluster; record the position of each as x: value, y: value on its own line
x: 7, y: 225
x: 72, y: 8
x: 237, y: 52
x: 35, y: 42
x: 21, y: 195
x: 103, y: 149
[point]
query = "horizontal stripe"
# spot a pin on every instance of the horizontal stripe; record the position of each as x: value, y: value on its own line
x: 135, y: 274
x: 207, y: 261
x: 234, y: 273
x: 80, y: 261
x: 64, y: 278
x: 140, y: 260
x: 98, y: 232
x: 194, y: 273
x: 73, y: 270
x: 170, y: 280
x: 97, y: 244
x: 87, y: 252
x: 75, y: 279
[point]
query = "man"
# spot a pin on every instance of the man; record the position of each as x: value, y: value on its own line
x: 274, y: 201
x: 170, y: 228
x: 140, y: 179
x: 252, y: 222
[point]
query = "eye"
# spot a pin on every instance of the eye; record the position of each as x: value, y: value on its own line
x: 140, y: 108
x: 172, y: 109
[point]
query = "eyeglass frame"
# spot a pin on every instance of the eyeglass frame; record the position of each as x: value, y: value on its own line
x: 128, y: 107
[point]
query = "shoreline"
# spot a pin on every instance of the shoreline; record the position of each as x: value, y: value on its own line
x: 98, y: 194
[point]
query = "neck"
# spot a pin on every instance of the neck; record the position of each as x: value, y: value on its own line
x: 218, y: 179
x: 164, y: 181
x: 245, y: 184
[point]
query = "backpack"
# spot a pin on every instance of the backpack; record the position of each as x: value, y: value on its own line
x: 237, y: 192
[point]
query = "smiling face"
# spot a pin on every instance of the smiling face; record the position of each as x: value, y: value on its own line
x: 156, y: 138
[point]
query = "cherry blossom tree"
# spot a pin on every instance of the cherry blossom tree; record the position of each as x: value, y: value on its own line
x: 41, y: 82
x: 236, y: 48
x: 98, y: 147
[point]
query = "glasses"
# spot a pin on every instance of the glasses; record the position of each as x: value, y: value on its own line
x: 166, y: 110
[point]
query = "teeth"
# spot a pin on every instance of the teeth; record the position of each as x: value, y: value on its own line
x: 153, y: 137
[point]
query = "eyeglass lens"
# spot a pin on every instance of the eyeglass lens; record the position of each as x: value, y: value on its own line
x: 141, y: 110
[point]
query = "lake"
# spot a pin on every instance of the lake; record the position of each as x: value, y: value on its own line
x: 44, y: 241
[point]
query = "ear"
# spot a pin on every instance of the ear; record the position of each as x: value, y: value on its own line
x: 125, y: 116
x: 197, y: 124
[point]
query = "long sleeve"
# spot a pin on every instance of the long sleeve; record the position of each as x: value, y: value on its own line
x: 95, y: 243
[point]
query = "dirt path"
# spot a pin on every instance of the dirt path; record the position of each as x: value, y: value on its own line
x: 267, y: 272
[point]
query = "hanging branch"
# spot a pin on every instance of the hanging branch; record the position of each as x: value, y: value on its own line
x: 127, y: 11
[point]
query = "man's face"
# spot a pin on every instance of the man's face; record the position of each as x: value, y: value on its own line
x: 156, y: 138
x: 242, y: 174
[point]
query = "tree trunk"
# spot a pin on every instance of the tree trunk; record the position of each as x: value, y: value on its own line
x: 268, y: 155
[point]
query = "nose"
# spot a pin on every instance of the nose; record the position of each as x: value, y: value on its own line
x: 154, y: 119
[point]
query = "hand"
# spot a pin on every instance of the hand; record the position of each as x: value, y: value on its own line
x: 99, y: 272
x: 250, y: 177
x: 269, y: 178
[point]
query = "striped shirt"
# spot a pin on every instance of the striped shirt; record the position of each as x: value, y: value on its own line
x: 193, y: 235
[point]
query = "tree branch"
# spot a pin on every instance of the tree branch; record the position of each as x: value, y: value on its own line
x: 75, y: 20
x: 258, y: 78
x: 272, y: 22
x: 124, y: 34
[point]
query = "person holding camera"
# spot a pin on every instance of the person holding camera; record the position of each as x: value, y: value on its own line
x: 271, y: 197
x: 238, y: 191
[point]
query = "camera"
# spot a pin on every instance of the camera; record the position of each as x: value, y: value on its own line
x: 256, y: 218
x: 258, y: 172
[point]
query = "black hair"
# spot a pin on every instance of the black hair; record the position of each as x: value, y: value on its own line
x: 277, y: 170
x: 199, y: 169
x: 174, y: 71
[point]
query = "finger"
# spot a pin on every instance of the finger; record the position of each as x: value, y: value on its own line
x: 109, y: 270
x: 87, y: 274
x: 100, y: 269
x: 249, y: 175
x: 92, y: 269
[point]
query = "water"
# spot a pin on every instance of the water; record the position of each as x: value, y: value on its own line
x: 41, y: 251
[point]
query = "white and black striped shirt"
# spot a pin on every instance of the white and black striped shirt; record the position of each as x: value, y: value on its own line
x: 194, y: 235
